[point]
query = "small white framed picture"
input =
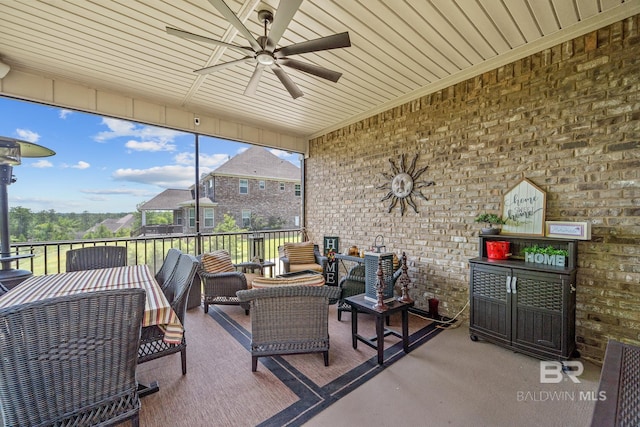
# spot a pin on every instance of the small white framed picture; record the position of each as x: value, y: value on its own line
x: 568, y: 230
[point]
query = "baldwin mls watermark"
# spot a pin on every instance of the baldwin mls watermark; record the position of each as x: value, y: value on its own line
x: 552, y: 372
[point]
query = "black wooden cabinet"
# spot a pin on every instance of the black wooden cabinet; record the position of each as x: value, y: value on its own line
x: 527, y: 307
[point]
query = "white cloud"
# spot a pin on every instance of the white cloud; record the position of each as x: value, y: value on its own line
x: 42, y: 164
x: 162, y: 176
x: 208, y: 162
x: 27, y: 135
x: 64, y: 113
x: 184, y: 158
x: 121, y: 128
x: 150, y: 145
x: 120, y: 192
x: 280, y: 153
x: 81, y: 165
x: 213, y: 160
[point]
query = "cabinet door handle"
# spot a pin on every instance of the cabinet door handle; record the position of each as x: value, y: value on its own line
x: 514, y: 280
x: 508, y: 284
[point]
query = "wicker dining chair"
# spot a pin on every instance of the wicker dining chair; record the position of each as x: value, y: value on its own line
x: 152, y: 345
x: 95, y: 257
x: 166, y: 270
x: 289, y: 320
x: 71, y: 360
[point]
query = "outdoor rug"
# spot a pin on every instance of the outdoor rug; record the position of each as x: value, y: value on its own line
x: 312, y: 386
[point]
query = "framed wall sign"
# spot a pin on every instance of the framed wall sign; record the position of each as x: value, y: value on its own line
x: 523, y: 208
x: 569, y: 230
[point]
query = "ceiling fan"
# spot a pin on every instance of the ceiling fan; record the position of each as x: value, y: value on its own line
x: 262, y: 50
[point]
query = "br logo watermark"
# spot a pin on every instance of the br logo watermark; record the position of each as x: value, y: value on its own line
x: 552, y: 372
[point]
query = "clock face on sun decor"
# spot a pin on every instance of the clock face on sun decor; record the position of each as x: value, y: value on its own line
x: 402, y: 184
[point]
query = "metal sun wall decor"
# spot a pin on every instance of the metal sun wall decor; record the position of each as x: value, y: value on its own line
x: 403, y: 184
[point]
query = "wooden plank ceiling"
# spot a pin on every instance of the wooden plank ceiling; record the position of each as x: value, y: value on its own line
x: 400, y: 49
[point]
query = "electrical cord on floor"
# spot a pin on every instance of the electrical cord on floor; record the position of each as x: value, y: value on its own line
x: 445, y: 322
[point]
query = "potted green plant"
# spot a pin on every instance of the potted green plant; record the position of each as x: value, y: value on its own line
x: 490, y: 220
x: 546, y: 255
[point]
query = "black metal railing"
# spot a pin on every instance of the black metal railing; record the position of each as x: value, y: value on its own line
x: 145, y: 230
x: 50, y: 257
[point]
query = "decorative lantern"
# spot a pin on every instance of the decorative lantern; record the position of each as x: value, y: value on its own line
x: 256, y: 248
x: 371, y: 262
x: 378, y: 248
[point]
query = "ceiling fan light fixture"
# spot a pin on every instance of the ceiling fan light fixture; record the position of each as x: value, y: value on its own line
x: 265, y: 58
x: 263, y: 49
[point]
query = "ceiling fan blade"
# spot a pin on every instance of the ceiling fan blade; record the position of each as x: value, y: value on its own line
x: 255, y: 79
x: 233, y: 20
x: 316, y: 70
x: 293, y: 89
x: 282, y: 19
x: 335, y: 41
x: 218, y: 67
x: 188, y: 35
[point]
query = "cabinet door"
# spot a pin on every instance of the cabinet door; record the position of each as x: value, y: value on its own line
x: 538, y: 311
x: 490, y: 314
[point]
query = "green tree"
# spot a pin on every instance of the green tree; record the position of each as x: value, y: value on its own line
x: 228, y: 225
x: 102, y: 232
x: 67, y: 227
x: 123, y: 232
x: 20, y: 222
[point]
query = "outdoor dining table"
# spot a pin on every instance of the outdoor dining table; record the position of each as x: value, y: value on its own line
x: 157, y: 310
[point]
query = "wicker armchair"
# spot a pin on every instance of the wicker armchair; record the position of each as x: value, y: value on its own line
x: 166, y: 271
x: 289, y: 320
x: 71, y: 360
x: 221, y: 288
x: 290, y: 265
x: 353, y: 284
x: 152, y: 345
x: 95, y: 257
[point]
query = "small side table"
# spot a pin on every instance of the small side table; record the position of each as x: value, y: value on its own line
x: 359, y: 304
x: 257, y: 265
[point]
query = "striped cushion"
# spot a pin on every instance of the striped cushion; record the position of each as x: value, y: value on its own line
x: 306, y: 280
x: 217, y: 262
x: 300, y: 253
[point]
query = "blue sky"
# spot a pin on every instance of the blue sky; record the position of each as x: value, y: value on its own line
x: 103, y: 164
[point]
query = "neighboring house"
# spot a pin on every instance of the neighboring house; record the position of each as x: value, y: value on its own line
x: 253, y: 183
x: 115, y: 224
x: 169, y: 200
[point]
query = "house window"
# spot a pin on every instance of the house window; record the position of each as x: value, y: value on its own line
x: 210, y: 189
x: 298, y: 192
x: 282, y: 186
x: 208, y: 217
x: 246, y: 218
x: 178, y: 217
x: 244, y: 186
x: 261, y: 185
x: 192, y: 217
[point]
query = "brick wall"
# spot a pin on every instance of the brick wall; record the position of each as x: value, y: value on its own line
x: 566, y: 118
x: 264, y: 203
